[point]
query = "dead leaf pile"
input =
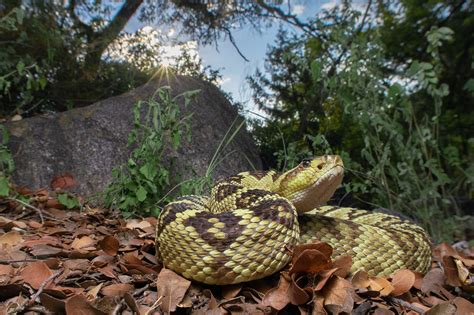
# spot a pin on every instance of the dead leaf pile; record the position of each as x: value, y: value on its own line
x: 91, y: 261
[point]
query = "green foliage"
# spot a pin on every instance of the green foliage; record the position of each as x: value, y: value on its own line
x: 20, y: 73
x: 7, y: 165
x: 337, y: 92
x: 141, y: 186
x: 404, y: 167
x: 68, y: 201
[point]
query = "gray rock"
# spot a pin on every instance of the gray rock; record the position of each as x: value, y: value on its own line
x: 88, y: 142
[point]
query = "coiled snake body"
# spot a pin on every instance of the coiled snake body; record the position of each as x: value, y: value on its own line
x: 249, y: 225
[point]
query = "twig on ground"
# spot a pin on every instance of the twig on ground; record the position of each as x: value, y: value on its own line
x: 154, y: 306
x: 405, y: 304
x: 29, y: 302
x: 25, y: 204
x: 12, y: 261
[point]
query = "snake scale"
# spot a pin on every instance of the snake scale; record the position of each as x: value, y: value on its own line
x: 247, y: 227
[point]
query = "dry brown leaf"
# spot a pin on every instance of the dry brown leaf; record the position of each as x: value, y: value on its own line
x: 324, y: 248
x: 402, y: 281
x: 130, y: 258
x: 117, y: 289
x: 463, y: 272
x: 382, y: 311
x: 136, y: 224
x: 83, y: 242
x: 318, y: 305
x: 102, y: 260
x: 278, y: 297
x: 361, y: 280
x: 418, y: 280
x: 296, y: 293
x: 78, y: 305
x: 381, y: 285
x: 444, y: 249
x: 323, y: 277
x: 338, y: 295
x: 52, y: 303
x: 94, y: 291
x: 6, y: 270
x: 344, y: 264
x: 310, y: 261
x: 109, y: 245
x: 442, y: 309
x: 35, y: 274
x: 433, y: 281
x: 171, y: 289
x: 11, y: 238
x: 231, y: 291
x: 132, y: 303
x: 451, y: 271
x: 63, y: 181
x: 108, y: 271
x: 463, y: 306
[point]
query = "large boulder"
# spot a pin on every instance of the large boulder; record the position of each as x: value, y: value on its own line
x: 88, y: 142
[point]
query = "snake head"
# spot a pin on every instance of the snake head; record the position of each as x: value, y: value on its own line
x: 312, y: 182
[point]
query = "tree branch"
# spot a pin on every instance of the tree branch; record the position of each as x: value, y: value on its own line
x: 102, y: 39
x: 288, y: 17
x: 231, y: 38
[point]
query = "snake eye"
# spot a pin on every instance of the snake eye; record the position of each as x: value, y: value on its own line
x: 306, y: 162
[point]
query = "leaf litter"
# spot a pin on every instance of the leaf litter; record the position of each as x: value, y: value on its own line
x: 55, y: 260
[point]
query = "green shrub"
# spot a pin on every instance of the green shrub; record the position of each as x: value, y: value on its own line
x: 142, y: 185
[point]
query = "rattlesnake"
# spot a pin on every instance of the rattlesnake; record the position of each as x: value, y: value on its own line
x: 249, y: 225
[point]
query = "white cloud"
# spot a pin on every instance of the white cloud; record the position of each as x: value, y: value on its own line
x: 329, y: 5
x: 298, y: 9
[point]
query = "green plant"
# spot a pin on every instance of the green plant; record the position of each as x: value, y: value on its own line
x: 405, y: 165
x: 7, y: 165
x: 141, y: 185
x: 68, y: 201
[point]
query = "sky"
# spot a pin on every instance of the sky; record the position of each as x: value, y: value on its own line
x: 251, y: 43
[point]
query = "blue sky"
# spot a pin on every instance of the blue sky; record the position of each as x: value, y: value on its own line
x: 251, y: 43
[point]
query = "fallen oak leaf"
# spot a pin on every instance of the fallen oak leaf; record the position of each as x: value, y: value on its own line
x: 433, y: 281
x: 338, y: 296
x: 83, y: 242
x: 343, y: 264
x: 322, y: 247
x: 360, y: 280
x: 310, y: 261
x: 78, y: 305
x: 451, y: 271
x: 171, y: 289
x: 323, y: 277
x: 402, y: 281
x: 109, y: 245
x: 463, y: 306
x: 381, y: 285
x: 35, y: 274
x: 11, y: 238
x: 117, y: 289
x: 278, y: 297
x: 63, y: 181
x: 296, y: 293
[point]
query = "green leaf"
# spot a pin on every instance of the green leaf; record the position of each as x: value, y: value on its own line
x: 141, y: 193
x: 316, y: 68
x: 20, y: 67
x: 68, y: 202
x: 20, y: 14
x: 4, y: 188
x: 149, y: 171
